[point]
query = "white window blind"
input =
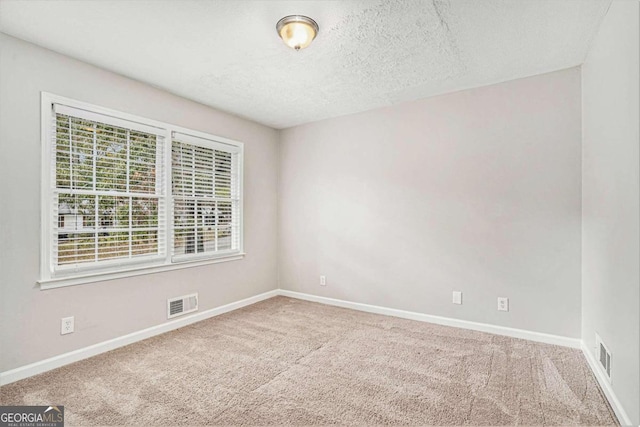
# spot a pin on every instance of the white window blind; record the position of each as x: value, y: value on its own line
x: 206, y: 197
x: 107, y: 192
x: 123, y: 195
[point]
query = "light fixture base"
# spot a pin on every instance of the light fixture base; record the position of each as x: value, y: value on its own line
x: 297, y: 31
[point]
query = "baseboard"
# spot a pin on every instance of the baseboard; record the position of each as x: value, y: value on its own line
x: 93, y: 350
x: 446, y: 321
x: 483, y: 327
x: 605, y: 385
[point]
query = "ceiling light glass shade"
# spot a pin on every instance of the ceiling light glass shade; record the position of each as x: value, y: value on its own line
x: 297, y: 31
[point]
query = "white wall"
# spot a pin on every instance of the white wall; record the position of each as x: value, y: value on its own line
x: 477, y: 191
x: 30, y: 317
x: 610, y: 198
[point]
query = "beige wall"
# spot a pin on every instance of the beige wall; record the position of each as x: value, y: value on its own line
x: 477, y: 191
x: 611, y: 199
x: 30, y: 317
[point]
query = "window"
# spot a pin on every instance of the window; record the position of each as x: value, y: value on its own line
x: 107, y: 193
x: 123, y: 193
x: 205, y: 197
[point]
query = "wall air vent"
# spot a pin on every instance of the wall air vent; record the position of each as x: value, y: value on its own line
x: 182, y: 305
x: 604, y: 357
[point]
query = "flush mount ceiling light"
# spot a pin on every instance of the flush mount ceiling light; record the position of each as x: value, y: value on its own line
x: 297, y: 31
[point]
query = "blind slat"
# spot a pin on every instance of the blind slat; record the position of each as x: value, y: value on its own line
x: 97, y: 117
x: 199, y: 142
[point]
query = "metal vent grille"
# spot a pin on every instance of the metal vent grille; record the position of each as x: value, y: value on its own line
x: 182, y: 305
x: 176, y: 307
x: 605, y: 359
x: 604, y: 356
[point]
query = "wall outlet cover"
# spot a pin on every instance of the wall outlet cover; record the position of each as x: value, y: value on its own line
x: 503, y: 304
x: 457, y: 297
x: 66, y: 325
x: 323, y: 280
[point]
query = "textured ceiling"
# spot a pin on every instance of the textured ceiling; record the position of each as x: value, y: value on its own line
x: 368, y: 54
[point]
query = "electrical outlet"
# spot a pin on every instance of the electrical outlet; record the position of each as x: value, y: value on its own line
x: 66, y: 325
x: 503, y: 304
x: 457, y: 297
x: 323, y: 280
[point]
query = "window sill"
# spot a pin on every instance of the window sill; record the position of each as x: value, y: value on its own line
x: 138, y: 271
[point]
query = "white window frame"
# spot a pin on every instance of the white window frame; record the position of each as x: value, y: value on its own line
x: 49, y: 278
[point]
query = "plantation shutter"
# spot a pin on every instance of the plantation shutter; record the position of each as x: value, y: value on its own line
x: 107, y: 191
x: 205, y: 196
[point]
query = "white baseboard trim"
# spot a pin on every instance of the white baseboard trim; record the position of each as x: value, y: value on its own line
x: 605, y: 385
x: 483, y: 327
x: 95, y: 349
x: 439, y: 320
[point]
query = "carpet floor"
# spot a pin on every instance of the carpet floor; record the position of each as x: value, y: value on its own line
x: 285, y: 361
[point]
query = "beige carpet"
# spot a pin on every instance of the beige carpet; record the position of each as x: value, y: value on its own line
x: 285, y: 361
